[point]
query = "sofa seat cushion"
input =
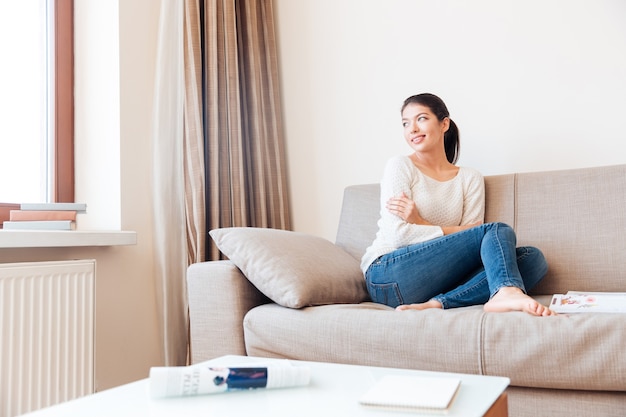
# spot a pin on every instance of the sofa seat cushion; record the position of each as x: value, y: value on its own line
x: 541, y: 352
x: 577, y: 351
x: 368, y: 334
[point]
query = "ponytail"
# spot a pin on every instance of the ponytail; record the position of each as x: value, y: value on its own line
x: 451, y: 143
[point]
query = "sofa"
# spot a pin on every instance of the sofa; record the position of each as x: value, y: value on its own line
x: 568, y: 365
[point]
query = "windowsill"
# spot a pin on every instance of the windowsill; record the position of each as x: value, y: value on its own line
x: 65, y: 238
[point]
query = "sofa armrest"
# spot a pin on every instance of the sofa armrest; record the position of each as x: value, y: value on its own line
x: 219, y: 297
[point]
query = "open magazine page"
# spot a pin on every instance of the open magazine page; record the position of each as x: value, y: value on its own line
x: 588, y: 302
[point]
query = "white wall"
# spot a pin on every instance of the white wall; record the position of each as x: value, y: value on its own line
x: 97, y: 113
x: 115, y: 176
x: 533, y: 85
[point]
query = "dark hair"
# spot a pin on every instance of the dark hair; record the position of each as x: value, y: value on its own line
x: 451, y: 140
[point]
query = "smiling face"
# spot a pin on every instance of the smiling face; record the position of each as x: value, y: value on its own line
x: 422, y: 130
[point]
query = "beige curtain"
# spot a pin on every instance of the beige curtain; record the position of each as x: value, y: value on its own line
x: 170, y: 240
x: 218, y: 145
x: 193, y: 137
x: 245, y: 157
x: 178, y: 172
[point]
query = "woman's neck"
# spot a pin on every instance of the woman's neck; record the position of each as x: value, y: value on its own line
x: 435, y: 167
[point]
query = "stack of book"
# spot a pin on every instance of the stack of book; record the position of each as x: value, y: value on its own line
x: 5, y: 209
x: 44, y: 216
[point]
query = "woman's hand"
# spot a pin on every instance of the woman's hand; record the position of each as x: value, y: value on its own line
x: 406, y: 209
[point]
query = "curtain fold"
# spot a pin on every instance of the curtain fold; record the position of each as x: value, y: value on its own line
x: 168, y: 190
x: 193, y: 135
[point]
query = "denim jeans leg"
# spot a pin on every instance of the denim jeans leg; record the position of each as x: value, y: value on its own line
x: 472, y: 292
x: 499, y: 256
x: 464, y: 268
x: 380, y: 290
x: 532, y: 266
x: 416, y: 273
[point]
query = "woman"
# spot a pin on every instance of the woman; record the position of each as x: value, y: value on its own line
x: 432, y: 249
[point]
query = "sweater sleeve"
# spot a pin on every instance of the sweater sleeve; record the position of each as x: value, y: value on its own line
x: 474, y: 201
x: 398, y: 179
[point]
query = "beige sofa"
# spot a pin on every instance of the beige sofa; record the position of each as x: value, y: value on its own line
x: 559, y: 366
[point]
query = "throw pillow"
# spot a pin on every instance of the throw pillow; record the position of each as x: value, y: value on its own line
x: 293, y: 269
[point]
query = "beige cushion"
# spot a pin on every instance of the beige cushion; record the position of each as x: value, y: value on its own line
x: 293, y: 269
x: 582, y: 351
x: 576, y: 218
x: 369, y: 334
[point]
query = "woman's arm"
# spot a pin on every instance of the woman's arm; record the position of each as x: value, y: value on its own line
x: 474, y: 201
x: 405, y: 208
x: 398, y: 181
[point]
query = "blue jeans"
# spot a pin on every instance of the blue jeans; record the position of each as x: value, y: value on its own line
x: 460, y: 269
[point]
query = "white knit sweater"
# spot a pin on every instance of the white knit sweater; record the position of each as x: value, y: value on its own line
x: 456, y: 202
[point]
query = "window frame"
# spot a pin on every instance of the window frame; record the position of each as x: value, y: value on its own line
x: 62, y: 172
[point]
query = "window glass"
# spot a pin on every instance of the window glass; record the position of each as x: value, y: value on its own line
x: 23, y: 101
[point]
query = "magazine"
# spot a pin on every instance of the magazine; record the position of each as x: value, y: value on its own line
x: 183, y: 381
x: 589, y: 302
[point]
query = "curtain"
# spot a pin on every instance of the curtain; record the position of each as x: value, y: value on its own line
x: 246, y: 176
x: 194, y: 136
x: 218, y: 145
x: 170, y: 240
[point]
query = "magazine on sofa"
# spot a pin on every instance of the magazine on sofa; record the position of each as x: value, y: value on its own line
x: 589, y: 302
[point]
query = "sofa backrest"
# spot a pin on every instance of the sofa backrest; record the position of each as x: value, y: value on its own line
x: 358, y: 220
x: 576, y: 217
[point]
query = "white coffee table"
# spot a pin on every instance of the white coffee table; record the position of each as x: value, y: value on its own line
x: 334, y: 391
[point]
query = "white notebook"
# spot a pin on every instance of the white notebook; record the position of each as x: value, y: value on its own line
x: 413, y: 393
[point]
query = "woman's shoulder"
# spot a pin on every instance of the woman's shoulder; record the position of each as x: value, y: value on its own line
x: 471, y: 178
x: 398, y: 163
x: 399, y: 160
x: 470, y: 173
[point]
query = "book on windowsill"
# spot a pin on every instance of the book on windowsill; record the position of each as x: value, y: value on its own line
x: 424, y: 394
x: 21, y: 215
x: 5, y: 211
x: 40, y: 225
x: 589, y: 302
x: 54, y: 206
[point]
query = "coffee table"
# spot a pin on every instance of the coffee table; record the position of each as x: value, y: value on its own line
x: 334, y: 391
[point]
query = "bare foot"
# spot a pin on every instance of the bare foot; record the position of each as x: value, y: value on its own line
x: 420, y: 306
x: 514, y: 299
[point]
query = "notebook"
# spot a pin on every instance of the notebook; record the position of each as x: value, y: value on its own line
x: 413, y: 393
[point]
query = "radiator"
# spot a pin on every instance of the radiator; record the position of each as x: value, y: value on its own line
x: 47, y: 334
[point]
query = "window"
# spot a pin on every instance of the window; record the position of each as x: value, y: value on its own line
x: 36, y: 104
